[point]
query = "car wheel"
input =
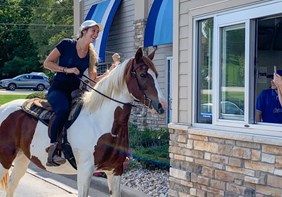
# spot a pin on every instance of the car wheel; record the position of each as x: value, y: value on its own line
x: 40, y: 87
x: 12, y: 86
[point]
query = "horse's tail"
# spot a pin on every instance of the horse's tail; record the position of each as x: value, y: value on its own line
x: 4, y: 181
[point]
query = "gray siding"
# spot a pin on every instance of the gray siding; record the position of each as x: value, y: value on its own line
x: 121, y: 36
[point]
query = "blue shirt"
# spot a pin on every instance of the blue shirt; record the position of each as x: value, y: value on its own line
x: 69, y: 58
x: 268, y: 103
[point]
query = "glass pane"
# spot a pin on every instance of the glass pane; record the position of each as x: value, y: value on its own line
x: 232, y: 72
x: 204, y: 65
x: 269, y: 53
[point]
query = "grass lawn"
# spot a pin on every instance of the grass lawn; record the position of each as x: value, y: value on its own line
x: 7, y: 98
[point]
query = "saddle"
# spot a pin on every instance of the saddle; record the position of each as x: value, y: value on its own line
x: 41, y: 110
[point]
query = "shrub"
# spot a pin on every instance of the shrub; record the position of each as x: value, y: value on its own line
x: 37, y: 95
x: 150, y: 147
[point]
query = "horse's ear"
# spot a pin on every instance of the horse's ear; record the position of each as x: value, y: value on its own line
x: 139, y: 55
x: 151, y: 55
x: 128, y: 69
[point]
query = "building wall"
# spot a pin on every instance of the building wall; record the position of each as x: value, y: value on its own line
x: 125, y: 37
x: 121, y: 36
x: 211, y: 161
x: 207, y: 163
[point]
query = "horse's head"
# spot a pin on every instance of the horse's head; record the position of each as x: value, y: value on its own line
x: 141, y: 80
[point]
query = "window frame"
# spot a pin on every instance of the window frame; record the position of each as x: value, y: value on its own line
x: 246, y: 15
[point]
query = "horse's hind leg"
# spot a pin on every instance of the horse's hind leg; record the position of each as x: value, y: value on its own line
x: 114, y: 184
x: 20, y: 166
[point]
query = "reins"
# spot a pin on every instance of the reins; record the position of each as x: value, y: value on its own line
x: 101, y: 92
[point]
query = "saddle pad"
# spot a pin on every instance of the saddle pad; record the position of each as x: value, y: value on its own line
x: 41, y: 110
x: 38, y: 112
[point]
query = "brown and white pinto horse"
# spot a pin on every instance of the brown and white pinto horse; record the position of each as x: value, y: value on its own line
x: 98, y: 137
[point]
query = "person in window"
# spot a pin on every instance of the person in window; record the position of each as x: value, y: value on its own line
x: 268, y: 106
x: 69, y: 59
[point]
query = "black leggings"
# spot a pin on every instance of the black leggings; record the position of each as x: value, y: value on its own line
x: 60, y: 102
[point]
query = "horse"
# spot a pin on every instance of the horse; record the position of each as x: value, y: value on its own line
x: 98, y: 137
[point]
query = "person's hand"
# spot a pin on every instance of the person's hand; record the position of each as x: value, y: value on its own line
x: 73, y: 70
x: 277, y: 80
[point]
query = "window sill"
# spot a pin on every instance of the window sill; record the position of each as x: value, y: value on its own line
x: 241, y: 134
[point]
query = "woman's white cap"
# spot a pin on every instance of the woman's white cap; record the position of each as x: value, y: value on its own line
x: 90, y: 23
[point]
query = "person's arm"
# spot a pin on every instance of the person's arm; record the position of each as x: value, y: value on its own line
x: 258, y: 116
x: 277, y: 80
x: 51, y: 63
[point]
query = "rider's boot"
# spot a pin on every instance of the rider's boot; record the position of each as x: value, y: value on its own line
x: 53, y: 158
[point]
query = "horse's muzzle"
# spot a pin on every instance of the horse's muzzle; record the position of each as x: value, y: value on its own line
x: 158, y: 107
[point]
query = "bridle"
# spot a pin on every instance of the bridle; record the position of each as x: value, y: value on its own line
x: 146, y: 98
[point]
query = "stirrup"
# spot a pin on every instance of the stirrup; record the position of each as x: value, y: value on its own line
x: 54, y: 159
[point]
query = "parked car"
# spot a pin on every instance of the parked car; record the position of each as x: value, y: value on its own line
x: 228, y: 110
x: 33, y: 81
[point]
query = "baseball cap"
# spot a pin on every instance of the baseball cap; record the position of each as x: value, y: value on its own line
x: 90, y: 23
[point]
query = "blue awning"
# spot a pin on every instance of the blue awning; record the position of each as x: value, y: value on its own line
x: 104, y: 13
x: 159, y: 28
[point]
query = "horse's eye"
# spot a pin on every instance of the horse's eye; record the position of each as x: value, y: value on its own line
x: 143, y: 75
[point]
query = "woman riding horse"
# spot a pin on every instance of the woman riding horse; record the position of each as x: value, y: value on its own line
x: 98, y: 137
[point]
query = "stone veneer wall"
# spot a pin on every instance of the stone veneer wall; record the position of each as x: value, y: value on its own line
x: 139, y: 27
x: 140, y: 115
x: 143, y: 118
x: 211, y: 166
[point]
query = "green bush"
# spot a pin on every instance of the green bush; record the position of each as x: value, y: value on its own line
x: 150, y: 147
x: 37, y: 95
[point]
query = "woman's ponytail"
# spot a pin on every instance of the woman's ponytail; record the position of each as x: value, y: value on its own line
x: 93, y: 59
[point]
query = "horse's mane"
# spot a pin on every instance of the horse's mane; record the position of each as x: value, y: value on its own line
x: 111, y: 85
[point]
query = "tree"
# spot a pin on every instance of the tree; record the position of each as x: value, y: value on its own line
x: 29, y: 29
x: 52, y: 21
x: 19, y: 50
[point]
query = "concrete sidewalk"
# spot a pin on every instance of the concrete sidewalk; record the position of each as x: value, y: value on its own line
x: 39, y: 183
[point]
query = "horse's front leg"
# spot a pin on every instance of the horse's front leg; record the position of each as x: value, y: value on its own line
x: 20, y: 166
x: 113, y: 184
x: 85, y: 171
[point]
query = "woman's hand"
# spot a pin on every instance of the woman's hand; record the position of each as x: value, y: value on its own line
x: 73, y: 70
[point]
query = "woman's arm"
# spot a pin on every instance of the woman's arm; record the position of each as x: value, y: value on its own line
x: 51, y: 61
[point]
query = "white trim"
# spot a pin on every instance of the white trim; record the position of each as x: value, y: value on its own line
x: 246, y: 16
x: 216, y: 119
x: 175, y: 54
x: 250, y: 12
